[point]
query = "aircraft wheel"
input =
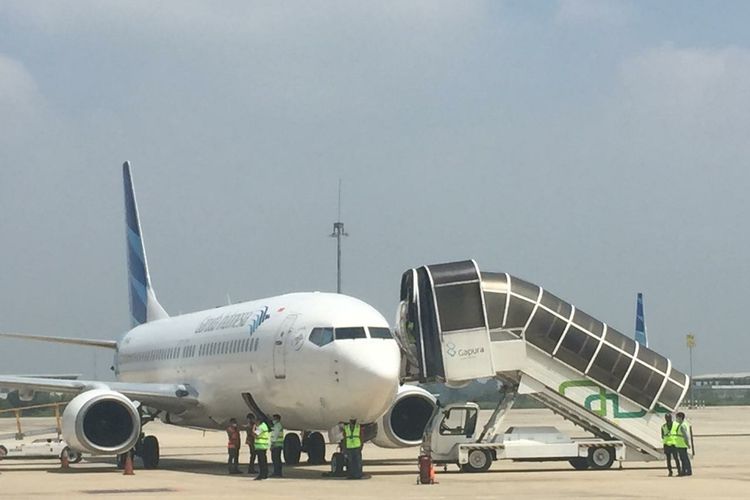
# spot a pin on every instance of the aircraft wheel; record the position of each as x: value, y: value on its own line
x: 150, y: 452
x: 316, y: 449
x: 601, y: 458
x: 292, y: 449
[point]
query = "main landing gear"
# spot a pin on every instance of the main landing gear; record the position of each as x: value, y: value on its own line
x: 147, y: 447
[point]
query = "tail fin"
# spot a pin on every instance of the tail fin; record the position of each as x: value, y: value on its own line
x: 143, y: 304
x: 640, y: 322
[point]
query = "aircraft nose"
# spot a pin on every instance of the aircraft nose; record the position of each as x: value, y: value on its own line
x: 370, y: 369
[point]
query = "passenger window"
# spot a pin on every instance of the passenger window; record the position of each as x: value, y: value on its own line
x: 355, y: 332
x: 320, y: 336
x: 378, y: 332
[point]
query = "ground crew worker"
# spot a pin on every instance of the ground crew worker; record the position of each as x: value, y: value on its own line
x: 233, y: 446
x: 250, y: 441
x: 668, y: 433
x: 262, y: 438
x: 277, y: 443
x: 682, y: 442
x: 353, y: 443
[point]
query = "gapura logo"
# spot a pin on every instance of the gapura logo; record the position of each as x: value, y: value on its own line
x: 452, y: 351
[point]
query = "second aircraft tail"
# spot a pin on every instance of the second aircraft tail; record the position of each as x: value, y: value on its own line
x: 640, y: 322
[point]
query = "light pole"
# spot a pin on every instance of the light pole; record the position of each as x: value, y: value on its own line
x: 690, y: 340
x: 338, y: 233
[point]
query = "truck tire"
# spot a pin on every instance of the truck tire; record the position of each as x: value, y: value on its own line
x: 601, y: 457
x: 73, y: 456
x: 579, y: 463
x: 479, y: 461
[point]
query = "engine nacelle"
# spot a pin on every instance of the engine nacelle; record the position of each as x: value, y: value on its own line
x: 101, y: 422
x: 404, y: 422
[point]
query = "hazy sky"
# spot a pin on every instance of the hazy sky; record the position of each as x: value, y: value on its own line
x: 596, y: 148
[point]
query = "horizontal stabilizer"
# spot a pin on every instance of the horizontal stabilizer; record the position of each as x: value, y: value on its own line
x: 109, y: 344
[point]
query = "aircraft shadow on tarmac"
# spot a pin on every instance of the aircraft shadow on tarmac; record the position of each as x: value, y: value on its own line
x: 209, y: 467
x: 94, y: 465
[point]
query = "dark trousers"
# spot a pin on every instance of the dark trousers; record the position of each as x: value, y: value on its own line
x: 251, y: 465
x: 262, y: 464
x: 354, y: 467
x: 687, y: 469
x: 234, y: 459
x: 671, y: 452
x: 276, y: 460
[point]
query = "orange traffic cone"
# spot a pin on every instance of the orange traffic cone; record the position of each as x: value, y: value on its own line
x: 128, y: 465
x: 64, y: 461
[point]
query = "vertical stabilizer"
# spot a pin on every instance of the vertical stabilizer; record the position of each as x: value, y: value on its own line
x: 143, y: 304
x: 640, y: 322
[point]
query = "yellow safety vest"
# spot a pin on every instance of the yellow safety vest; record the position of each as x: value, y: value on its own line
x: 668, y: 434
x: 679, y: 439
x: 352, y: 436
x: 262, y: 439
x: 278, y: 440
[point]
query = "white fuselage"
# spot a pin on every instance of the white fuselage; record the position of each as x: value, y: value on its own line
x: 263, y: 349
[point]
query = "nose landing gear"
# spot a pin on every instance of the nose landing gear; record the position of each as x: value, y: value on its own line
x: 315, y: 446
x: 311, y: 443
x: 292, y: 449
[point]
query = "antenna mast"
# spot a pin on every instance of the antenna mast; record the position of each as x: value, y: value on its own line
x: 338, y: 233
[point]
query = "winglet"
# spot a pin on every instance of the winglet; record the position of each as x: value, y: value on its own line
x: 640, y: 322
x: 143, y: 304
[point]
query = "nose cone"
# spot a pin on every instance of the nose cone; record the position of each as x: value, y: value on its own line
x: 370, y: 369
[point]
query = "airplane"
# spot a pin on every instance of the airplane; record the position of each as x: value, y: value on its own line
x: 315, y: 358
x: 640, y: 322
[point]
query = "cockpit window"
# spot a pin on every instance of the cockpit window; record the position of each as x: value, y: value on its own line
x: 354, y: 332
x: 378, y: 332
x: 321, y: 336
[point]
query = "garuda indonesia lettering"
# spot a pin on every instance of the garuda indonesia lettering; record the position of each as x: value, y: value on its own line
x: 298, y: 355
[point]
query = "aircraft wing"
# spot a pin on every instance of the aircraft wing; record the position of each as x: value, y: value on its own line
x: 169, y: 397
x: 109, y: 344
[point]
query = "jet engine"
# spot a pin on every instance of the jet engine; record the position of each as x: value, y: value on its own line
x: 404, y: 422
x: 101, y: 421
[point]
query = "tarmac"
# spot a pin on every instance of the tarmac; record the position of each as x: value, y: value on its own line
x: 193, y: 465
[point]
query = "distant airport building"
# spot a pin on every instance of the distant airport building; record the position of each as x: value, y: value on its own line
x: 722, y: 388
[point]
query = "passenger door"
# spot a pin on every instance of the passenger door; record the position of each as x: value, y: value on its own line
x: 279, y: 346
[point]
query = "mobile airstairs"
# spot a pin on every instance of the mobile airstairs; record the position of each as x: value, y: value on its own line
x: 457, y: 324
